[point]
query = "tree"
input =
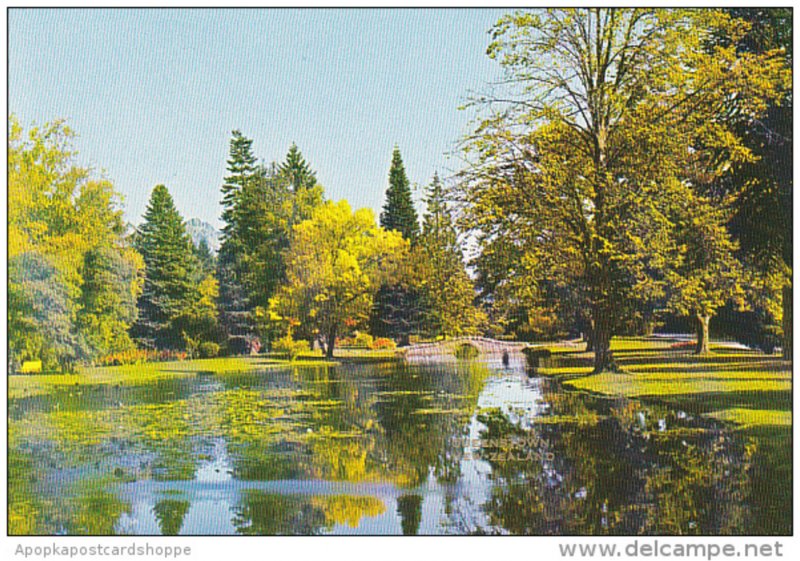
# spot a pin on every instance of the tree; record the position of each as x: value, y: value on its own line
x: 71, y: 220
x: 41, y: 314
x: 398, y: 210
x: 169, y: 266
x: 337, y: 260
x: 397, y: 312
x: 702, y: 273
x: 206, y: 260
x: 584, y: 160
x: 113, y: 280
x: 268, y: 209
x: 241, y: 167
x: 198, y: 321
x: 447, y: 292
x: 234, y: 307
x: 762, y: 219
x: 297, y: 171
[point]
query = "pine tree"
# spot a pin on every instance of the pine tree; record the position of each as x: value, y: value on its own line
x: 396, y: 311
x: 241, y: 166
x: 234, y: 307
x: 169, y: 266
x: 297, y: 171
x: 398, y: 211
x: 448, y: 293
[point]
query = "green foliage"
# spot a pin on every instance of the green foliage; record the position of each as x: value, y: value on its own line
x: 208, y: 349
x: 447, y: 294
x: 234, y: 307
x: 397, y: 310
x: 337, y: 261
x: 398, y: 211
x: 41, y: 314
x: 287, y: 346
x: 113, y: 280
x: 269, y: 201
x: 296, y: 171
x: 599, y: 142
x: 66, y: 234
x: 198, y: 318
x: 168, y: 291
x: 241, y: 167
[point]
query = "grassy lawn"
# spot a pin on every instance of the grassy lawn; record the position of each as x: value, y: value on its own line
x: 150, y: 372
x: 747, y: 388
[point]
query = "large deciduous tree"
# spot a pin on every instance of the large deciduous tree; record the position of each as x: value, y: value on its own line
x: 67, y: 223
x: 337, y: 260
x: 597, y: 138
x: 762, y: 219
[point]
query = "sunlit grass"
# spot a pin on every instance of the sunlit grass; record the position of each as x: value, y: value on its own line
x: 748, y: 418
x: 725, y: 385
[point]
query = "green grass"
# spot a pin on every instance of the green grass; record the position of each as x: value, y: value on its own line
x: 152, y: 372
x: 748, y: 418
x: 135, y: 374
x: 746, y: 388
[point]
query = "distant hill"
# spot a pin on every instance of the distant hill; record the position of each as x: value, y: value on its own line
x: 199, y: 230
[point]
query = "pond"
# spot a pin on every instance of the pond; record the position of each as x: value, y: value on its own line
x: 388, y: 448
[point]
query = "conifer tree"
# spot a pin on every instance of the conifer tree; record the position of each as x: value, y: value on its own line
x: 398, y: 212
x: 169, y: 266
x: 241, y: 166
x: 396, y: 312
x: 447, y: 293
x: 297, y: 171
x: 234, y: 307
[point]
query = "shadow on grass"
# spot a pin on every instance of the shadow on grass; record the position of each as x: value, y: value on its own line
x: 700, y: 403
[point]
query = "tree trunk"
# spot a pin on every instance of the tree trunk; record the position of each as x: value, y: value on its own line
x: 590, y: 337
x: 601, y: 343
x: 787, y: 322
x: 702, y: 347
x: 331, y: 342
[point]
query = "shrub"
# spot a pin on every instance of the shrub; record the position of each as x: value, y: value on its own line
x: 383, y: 343
x: 289, y: 347
x: 208, y: 349
x: 138, y: 356
x: 363, y: 341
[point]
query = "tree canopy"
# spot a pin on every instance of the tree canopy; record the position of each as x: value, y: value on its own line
x: 609, y: 123
x: 337, y: 261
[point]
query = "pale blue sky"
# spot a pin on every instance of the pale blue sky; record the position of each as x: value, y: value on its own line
x: 154, y: 94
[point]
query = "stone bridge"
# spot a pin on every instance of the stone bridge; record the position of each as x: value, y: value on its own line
x: 450, y: 349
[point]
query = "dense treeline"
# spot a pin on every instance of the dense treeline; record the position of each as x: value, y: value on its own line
x: 637, y: 171
x: 291, y: 266
x: 73, y: 275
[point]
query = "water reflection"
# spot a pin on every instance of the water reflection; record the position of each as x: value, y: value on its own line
x: 383, y: 449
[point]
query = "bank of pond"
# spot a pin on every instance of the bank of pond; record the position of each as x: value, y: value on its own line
x: 670, y: 444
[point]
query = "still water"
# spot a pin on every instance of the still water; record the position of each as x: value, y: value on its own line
x: 390, y: 448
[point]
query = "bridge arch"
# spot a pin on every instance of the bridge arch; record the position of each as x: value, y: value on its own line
x: 459, y: 347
